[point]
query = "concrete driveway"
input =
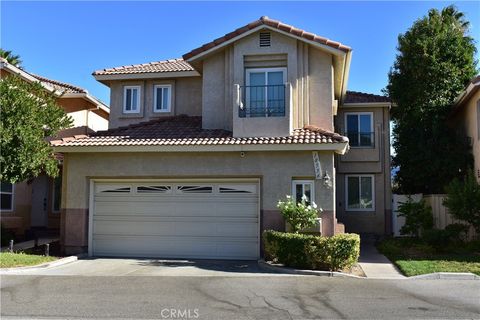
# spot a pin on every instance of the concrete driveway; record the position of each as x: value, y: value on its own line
x: 151, y: 267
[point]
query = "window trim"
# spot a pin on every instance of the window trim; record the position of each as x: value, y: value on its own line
x: 125, y: 88
x: 12, y: 207
x: 303, y: 182
x: 372, y: 176
x: 370, y: 113
x: 169, y: 106
x: 53, y: 195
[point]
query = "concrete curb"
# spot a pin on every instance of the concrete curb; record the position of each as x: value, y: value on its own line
x: 447, y: 276
x: 281, y: 269
x: 42, y: 266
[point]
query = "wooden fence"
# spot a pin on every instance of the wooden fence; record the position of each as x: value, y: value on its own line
x: 441, y: 217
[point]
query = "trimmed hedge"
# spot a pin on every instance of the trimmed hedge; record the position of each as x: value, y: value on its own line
x: 310, y: 251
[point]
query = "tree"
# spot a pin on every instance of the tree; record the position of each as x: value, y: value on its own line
x: 11, y: 58
x: 29, y: 114
x: 435, y: 61
x: 463, y: 200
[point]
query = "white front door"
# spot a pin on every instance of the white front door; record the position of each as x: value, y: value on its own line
x: 176, y: 219
x: 39, y: 212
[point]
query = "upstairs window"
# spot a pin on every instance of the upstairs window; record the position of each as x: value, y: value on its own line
x: 162, y: 98
x: 264, y: 93
x: 6, y: 201
x: 131, y: 99
x: 359, y: 129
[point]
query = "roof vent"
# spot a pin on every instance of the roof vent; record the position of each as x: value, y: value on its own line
x: 265, y: 39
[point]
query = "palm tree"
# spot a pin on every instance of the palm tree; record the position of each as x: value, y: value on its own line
x: 11, y: 58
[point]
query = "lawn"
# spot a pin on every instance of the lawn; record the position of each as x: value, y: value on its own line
x: 414, y: 257
x: 10, y: 260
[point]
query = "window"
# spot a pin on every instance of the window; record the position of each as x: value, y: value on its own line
x: 360, y: 193
x: 162, y: 98
x: 131, y: 99
x: 302, y: 188
x: 57, y: 194
x: 6, y: 196
x: 359, y: 129
x: 264, y: 93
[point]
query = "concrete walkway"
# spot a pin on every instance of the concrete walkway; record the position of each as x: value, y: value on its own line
x: 374, y: 264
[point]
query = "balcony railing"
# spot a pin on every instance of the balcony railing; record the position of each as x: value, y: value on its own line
x: 262, y: 101
x: 361, y: 139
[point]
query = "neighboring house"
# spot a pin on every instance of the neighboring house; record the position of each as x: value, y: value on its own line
x: 200, y: 149
x: 466, y: 118
x: 35, y: 205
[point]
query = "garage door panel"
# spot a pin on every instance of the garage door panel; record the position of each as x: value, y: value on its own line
x: 176, y: 219
x: 161, y: 247
x: 170, y: 208
x: 176, y: 228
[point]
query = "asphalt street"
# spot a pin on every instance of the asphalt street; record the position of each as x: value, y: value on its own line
x: 242, y: 297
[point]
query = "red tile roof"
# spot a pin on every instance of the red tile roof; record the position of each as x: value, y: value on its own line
x: 60, y: 86
x: 172, y: 65
x: 361, y: 97
x: 187, y: 131
x: 271, y: 23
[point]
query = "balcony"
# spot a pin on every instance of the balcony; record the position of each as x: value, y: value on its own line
x: 262, y: 101
x: 262, y: 110
x: 361, y: 139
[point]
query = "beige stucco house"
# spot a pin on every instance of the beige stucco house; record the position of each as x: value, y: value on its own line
x: 200, y: 149
x: 31, y: 207
x: 466, y: 118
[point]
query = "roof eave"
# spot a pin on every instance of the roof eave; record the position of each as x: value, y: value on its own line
x: 336, y: 52
x: 100, y: 105
x: 337, y: 147
x: 144, y: 75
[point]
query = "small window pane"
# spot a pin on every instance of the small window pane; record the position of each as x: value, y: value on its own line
x: 298, y: 192
x: 6, y: 201
x: 365, y: 123
x: 128, y: 100
x: 307, y: 192
x: 165, y: 98
x: 7, y: 187
x: 159, y: 99
x: 366, y: 200
x: 353, y: 192
x: 352, y: 129
x: 134, y: 99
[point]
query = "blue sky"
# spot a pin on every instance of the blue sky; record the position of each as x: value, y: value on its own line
x: 67, y: 41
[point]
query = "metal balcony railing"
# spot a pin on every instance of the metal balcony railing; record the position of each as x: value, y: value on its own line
x: 361, y: 139
x: 262, y: 101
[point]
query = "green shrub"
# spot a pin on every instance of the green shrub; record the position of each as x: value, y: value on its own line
x: 310, y: 251
x: 451, y: 235
x: 418, y: 217
x: 298, y: 215
x: 463, y: 200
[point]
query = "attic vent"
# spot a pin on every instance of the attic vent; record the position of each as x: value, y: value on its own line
x: 264, y: 39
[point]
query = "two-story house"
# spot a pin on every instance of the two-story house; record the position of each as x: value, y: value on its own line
x: 465, y: 118
x: 35, y: 204
x: 200, y: 149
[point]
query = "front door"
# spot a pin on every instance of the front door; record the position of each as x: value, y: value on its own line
x: 39, y: 201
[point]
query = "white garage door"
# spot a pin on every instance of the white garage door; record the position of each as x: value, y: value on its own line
x: 205, y: 220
